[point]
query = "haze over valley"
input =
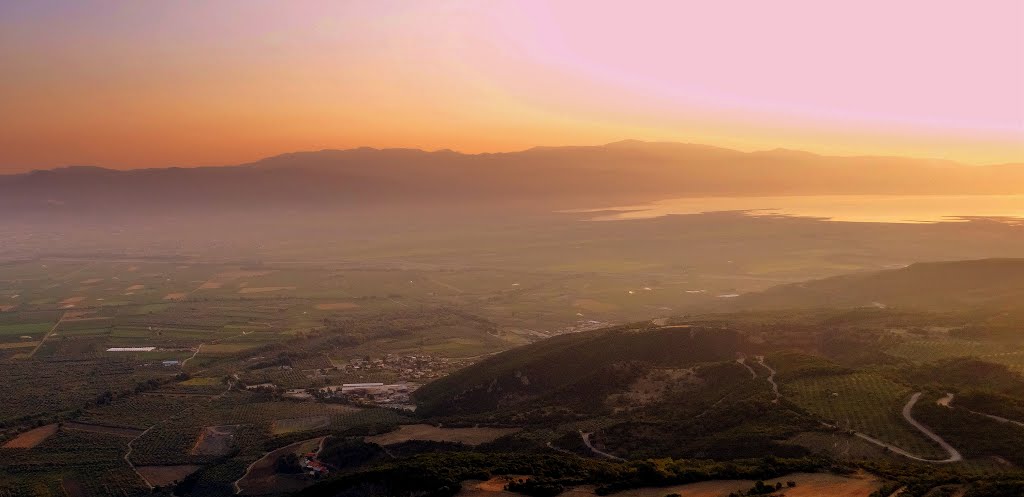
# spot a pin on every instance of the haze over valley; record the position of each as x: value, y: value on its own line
x: 505, y: 249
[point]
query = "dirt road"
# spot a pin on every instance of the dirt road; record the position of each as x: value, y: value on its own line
x: 128, y: 456
x: 268, y: 458
x: 48, y: 334
x: 948, y: 402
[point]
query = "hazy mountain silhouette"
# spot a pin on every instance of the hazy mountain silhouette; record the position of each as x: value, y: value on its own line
x: 620, y: 171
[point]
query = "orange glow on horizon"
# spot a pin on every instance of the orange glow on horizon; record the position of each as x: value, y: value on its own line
x: 141, y: 85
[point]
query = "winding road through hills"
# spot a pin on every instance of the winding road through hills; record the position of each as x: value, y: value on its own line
x: 947, y: 401
x: 954, y: 455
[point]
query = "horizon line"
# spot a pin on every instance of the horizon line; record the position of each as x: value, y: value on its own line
x: 516, y: 151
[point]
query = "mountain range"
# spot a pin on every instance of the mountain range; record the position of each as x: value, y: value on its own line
x: 616, y: 172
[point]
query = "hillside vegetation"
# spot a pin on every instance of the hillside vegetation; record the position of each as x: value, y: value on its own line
x: 574, y: 367
x: 928, y: 285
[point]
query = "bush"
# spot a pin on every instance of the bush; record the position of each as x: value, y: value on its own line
x: 288, y: 464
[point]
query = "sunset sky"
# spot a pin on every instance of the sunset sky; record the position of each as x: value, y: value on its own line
x: 158, y: 83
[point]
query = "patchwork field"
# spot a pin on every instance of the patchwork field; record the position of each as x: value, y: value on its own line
x: 925, y: 350
x: 942, y: 348
x: 206, y: 367
x: 31, y: 438
x: 181, y: 305
x: 166, y: 475
x: 110, y: 430
x: 282, y: 426
x: 214, y: 441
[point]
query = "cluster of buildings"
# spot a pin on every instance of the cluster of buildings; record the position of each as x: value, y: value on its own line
x: 404, y: 372
x: 583, y: 325
x: 311, y: 465
x: 395, y: 395
x: 413, y: 367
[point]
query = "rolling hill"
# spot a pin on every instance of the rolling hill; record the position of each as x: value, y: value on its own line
x: 931, y: 285
x: 582, y: 367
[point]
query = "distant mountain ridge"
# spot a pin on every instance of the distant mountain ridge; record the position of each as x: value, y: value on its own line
x: 620, y: 171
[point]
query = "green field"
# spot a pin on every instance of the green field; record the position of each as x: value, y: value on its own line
x: 864, y: 402
x: 936, y: 349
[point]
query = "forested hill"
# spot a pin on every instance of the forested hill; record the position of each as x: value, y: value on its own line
x: 575, y: 365
x: 931, y: 285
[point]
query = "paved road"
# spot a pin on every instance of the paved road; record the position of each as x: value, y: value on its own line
x: 948, y: 402
x: 954, y: 455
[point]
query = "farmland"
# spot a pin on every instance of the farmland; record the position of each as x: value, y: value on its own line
x: 96, y: 355
x: 228, y: 309
x: 31, y: 438
x: 925, y: 350
x: 469, y: 436
x: 67, y: 319
x: 93, y: 462
x: 185, y: 370
x: 864, y: 402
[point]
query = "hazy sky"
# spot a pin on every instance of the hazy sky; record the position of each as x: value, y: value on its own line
x: 154, y: 83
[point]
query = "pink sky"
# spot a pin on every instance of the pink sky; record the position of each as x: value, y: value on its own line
x: 130, y: 84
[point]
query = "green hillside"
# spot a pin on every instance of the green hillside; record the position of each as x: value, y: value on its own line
x: 928, y: 285
x: 574, y: 366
